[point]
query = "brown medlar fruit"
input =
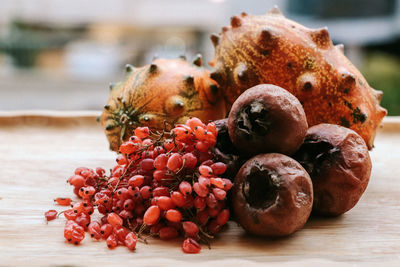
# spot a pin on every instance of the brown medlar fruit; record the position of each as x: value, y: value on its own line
x: 339, y: 165
x: 267, y: 118
x: 272, y: 195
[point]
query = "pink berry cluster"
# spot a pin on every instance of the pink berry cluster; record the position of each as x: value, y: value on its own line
x: 165, y: 184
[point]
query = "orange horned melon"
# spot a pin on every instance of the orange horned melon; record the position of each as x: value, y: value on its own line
x: 272, y: 49
x: 168, y: 90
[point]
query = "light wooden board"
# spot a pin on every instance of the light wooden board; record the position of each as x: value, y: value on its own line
x: 40, y: 150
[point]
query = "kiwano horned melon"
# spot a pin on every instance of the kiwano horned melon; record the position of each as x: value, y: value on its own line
x: 272, y: 49
x: 168, y: 90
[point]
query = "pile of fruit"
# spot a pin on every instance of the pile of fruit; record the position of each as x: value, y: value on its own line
x: 165, y: 184
x: 286, y: 123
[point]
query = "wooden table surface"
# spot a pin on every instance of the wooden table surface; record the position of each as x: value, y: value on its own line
x: 40, y: 150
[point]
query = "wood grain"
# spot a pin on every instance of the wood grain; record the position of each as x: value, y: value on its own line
x: 40, y: 150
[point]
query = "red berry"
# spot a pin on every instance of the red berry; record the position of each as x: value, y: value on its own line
x: 130, y: 241
x: 112, y: 182
x: 129, y: 147
x: 94, y: 229
x: 70, y: 214
x: 73, y: 233
x: 210, y: 138
x: 206, y: 171
x: 211, y: 201
x: 173, y: 215
x: 181, y: 133
x: 169, y: 145
x: 164, y: 203
x: 174, y: 162
x: 202, y: 146
x: 63, y: 201
x: 193, y: 122
x: 142, y: 132
x: 136, y: 180
x: 112, y: 241
x: 218, y: 168
x: 207, y: 162
x: 185, y: 188
x: 147, y: 164
x: 199, y: 133
x: 148, y: 143
x: 223, y: 217
x: 190, y: 160
x: 227, y: 184
x: 151, y: 215
x: 79, y: 170
x: 212, y: 128
x: 178, y: 199
x: 134, y: 192
x: 190, y: 246
x: 160, y: 191
x: 106, y: 230
x: 121, y: 160
x: 204, y: 181
x: 101, y: 198
x: 145, y: 192
x: 160, y: 162
x: 114, y: 220
x: 50, y: 215
x: 120, y: 233
x: 83, y: 220
x: 158, y: 150
x: 135, y: 139
x: 122, y: 193
x: 100, y: 171
x: 87, y: 192
x: 129, y: 204
x: 218, y: 182
x: 76, y: 180
x: 219, y: 193
x: 78, y: 208
x: 191, y: 229
x: 200, y: 203
x: 200, y: 189
x: 212, y: 212
x: 126, y: 214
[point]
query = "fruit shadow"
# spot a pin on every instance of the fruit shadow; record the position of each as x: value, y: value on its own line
x: 293, y: 244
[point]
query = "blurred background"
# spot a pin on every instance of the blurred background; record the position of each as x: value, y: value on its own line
x: 61, y: 55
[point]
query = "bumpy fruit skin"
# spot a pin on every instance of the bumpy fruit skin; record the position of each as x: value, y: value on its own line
x: 272, y: 49
x: 272, y: 195
x: 169, y: 90
x: 267, y: 118
x: 339, y: 165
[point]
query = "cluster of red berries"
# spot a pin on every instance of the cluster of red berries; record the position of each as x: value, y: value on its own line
x: 164, y: 184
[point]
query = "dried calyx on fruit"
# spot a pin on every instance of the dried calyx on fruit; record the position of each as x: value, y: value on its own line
x: 272, y: 195
x: 169, y: 90
x: 338, y: 162
x: 267, y: 118
x: 165, y: 184
x: 272, y: 49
